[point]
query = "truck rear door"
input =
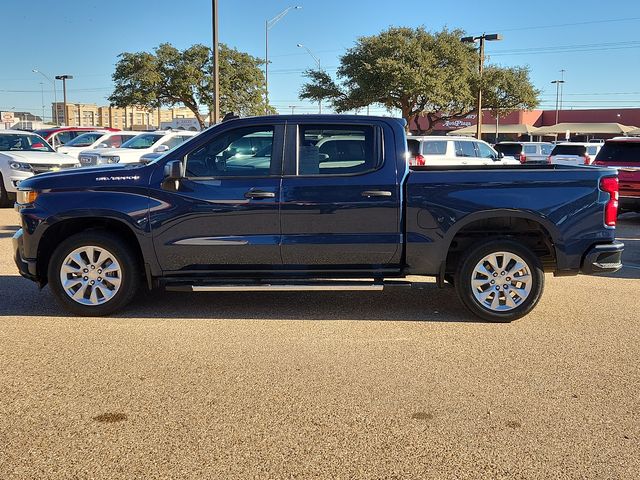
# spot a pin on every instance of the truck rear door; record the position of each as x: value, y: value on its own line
x: 340, y: 197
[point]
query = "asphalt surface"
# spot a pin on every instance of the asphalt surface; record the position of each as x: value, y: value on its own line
x: 401, y: 384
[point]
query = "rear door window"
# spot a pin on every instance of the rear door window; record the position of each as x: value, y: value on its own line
x: 465, y: 149
x: 434, y: 147
x: 623, y: 152
x: 337, y: 149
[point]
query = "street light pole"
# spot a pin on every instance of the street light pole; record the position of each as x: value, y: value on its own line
x: 216, y: 67
x: 317, y: 60
x: 481, y: 39
x: 64, y: 79
x: 558, y: 83
x: 268, y: 25
x: 55, y: 97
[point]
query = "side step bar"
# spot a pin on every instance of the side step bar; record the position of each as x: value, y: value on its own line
x: 287, y: 287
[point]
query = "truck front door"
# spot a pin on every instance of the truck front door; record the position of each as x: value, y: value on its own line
x: 224, y: 215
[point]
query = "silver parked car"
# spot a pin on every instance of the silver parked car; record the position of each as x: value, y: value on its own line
x: 531, y: 153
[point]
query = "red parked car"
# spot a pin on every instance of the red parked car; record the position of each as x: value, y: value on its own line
x: 58, y: 136
x: 623, y: 153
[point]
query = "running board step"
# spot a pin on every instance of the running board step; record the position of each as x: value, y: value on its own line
x: 286, y: 287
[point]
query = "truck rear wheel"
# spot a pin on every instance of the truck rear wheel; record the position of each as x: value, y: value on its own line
x: 500, y: 280
x: 93, y: 274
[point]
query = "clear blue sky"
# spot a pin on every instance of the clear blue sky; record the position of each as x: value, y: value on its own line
x: 598, y: 46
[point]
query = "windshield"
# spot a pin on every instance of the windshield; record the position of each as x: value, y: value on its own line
x: 84, y: 140
x: 24, y: 142
x: 144, y: 140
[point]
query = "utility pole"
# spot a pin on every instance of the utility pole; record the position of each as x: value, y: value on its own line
x: 216, y: 69
x: 293, y: 108
x: 64, y: 79
x: 55, y: 97
x: 317, y: 60
x: 268, y: 25
x: 42, y: 94
x: 481, y: 39
x: 561, y: 85
x: 558, y: 83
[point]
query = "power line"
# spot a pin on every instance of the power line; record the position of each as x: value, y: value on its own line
x: 573, y: 24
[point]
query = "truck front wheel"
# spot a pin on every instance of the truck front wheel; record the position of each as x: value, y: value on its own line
x: 500, y: 280
x: 93, y: 274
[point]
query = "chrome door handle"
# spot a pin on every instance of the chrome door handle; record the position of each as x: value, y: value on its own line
x: 376, y: 193
x: 259, y: 194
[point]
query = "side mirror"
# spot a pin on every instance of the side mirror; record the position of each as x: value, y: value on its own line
x: 500, y: 155
x: 173, y: 170
x: 161, y: 149
x: 102, y: 145
x: 38, y: 146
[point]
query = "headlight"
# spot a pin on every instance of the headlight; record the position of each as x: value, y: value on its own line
x: 109, y: 159
x: 26, y: 197
x: 23, y: 167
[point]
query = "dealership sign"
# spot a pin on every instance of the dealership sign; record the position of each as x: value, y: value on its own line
x: 7, y: 118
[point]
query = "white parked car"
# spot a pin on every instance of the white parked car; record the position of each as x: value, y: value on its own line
x: 97, y: 139
x: 442, y: 151
x: 132, y: 150
x: 22, y: 155
x: 574, y: 153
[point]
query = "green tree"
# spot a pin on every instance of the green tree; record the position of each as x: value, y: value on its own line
x: 432, y: 75
x: 507, y: 90
x: 169, y: 76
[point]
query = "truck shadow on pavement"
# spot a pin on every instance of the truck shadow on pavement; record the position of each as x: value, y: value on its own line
x: 422, y: 303
x: 7, y: 231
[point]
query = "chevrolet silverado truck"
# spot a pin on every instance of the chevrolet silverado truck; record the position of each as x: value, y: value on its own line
x: 306, y: 202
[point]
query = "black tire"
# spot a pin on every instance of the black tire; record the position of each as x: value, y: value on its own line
x: 129, y: 268
x: 465, y: 273
x: 4, y: 195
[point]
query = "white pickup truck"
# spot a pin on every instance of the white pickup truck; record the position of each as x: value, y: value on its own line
x: 22, y: 155
x: 132, y: 150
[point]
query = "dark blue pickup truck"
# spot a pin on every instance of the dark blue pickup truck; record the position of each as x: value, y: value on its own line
x: 312, y: 203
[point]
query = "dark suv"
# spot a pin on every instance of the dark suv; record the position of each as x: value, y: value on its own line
x: 623, y: 153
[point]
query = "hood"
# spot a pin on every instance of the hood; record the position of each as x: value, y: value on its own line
x: 36, y: 157
x: 91, y: 177
x: 64, y: 149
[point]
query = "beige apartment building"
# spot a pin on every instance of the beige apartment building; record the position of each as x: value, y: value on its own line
x: 128, y: 118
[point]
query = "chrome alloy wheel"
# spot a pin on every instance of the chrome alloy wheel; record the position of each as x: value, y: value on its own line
x: 90, y: 275
x: 501, y: 281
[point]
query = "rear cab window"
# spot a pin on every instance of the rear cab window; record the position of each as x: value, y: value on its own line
x: 530, y: 149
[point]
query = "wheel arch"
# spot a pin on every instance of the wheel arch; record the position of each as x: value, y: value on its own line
x: 535, y: 231
x: 63, y: 229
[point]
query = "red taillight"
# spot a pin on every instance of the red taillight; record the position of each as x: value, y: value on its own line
x: 419, y: 160
x: 587, y: 159
x: 523, y: 158
x: 610, y: 185
x: 549, y: 160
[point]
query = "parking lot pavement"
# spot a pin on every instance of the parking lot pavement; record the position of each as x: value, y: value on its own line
x: 402, y: 384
